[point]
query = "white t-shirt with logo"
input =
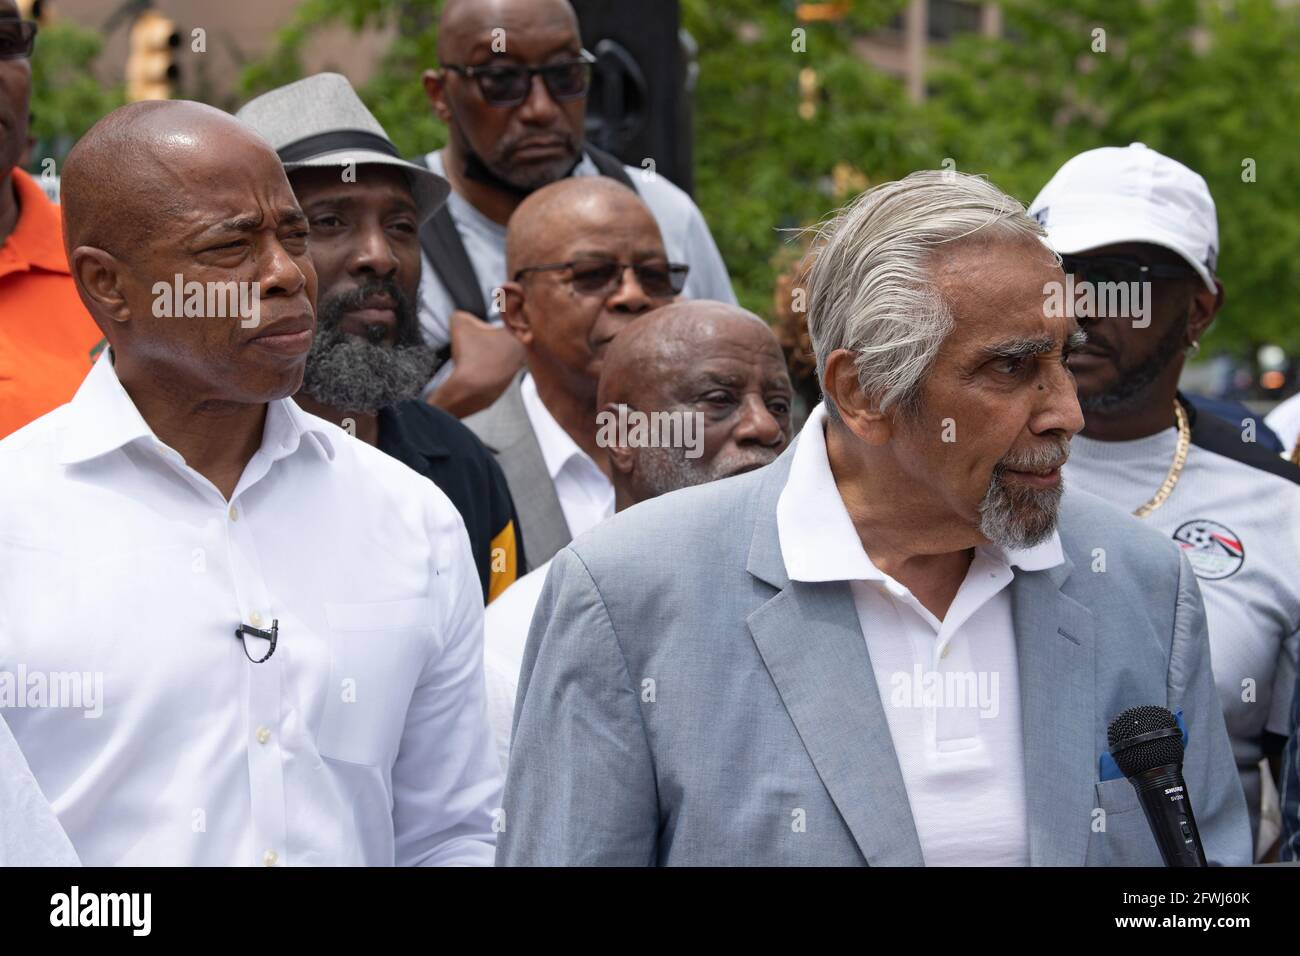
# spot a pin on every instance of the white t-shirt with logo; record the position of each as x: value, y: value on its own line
x: 1235, y: 511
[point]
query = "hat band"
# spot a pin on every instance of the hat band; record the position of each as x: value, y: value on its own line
x: 333, y: 141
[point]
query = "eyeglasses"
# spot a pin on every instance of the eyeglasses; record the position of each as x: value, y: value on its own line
x: 510, y: 85
x: 1121, y: 269
x: 17, y: 39
x: 659, y: 280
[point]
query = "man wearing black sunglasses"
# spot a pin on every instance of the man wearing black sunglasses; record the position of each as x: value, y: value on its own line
x: 512, y: 87
x: 1136, y: 221
x: 47, y: 339
x: 585, y: 257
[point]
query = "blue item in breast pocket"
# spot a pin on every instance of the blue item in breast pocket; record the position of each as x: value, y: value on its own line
x: 1109, y: 771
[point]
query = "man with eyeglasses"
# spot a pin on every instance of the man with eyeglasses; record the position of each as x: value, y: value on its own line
x: 47, y: 340
x: 585, y: 257
x: 511, y: 87
x: 718, y: 374
x: 1130, y: 222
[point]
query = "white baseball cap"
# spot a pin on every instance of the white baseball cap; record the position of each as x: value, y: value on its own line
x: 1134, y: 194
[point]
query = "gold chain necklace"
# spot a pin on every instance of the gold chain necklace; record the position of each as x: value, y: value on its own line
x: 1176, y: 469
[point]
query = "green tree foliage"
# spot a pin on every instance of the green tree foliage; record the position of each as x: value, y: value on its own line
x: 760, y: 165
x: 1210, y: 84
x: 66, y: 97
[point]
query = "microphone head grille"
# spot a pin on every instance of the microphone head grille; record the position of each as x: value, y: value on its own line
x: 1148, y: 754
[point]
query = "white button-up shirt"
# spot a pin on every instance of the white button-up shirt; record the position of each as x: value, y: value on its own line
x: 950, y: 688
x: 30, y: 834
x: 362, y: 740
x: 505, y: 635
x: 586, y: 495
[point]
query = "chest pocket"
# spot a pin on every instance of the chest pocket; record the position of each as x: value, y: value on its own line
x: 1126, y: 839
x: 377, y: 651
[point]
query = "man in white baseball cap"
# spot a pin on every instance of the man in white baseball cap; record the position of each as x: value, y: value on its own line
x: 1139, y: 241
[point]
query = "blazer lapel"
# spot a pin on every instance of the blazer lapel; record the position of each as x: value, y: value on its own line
x: 811, y: 643
x: 504, y: 428
x: 1055, y: 645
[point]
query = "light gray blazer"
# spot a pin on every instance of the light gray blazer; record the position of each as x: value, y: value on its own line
x: 681, y: 700
x: 505, y: 429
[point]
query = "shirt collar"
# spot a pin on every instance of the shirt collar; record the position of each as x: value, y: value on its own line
x: 817, y: 536
x: 558, y: 448
x: 102, y: 418
x: 37, y: 237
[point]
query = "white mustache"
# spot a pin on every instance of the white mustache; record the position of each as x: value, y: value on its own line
x: 1040, y: 460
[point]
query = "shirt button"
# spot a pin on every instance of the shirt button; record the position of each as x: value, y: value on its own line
x: 269, y: 858
x: 946, y: 649
x: 255, y: 619
x: 234, y: 513
x: 263, y: 735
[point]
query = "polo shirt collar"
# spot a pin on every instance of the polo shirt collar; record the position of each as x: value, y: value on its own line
x: 817, y: 537
x: 102, y: 418
x: 37, y: 238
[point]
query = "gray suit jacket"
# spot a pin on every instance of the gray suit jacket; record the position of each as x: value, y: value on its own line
x: 504, y: 428
x: 681, y: 699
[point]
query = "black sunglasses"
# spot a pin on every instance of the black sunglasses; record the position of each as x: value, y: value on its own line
x: 659, y: 280
x: 17, y: 39
x: 1121, y: 269
x: 510, y: 85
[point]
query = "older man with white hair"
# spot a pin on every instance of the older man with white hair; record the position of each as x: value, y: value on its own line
x: 900, y: 643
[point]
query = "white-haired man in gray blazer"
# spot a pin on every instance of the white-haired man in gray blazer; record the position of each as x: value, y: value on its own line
x: 902, y: 642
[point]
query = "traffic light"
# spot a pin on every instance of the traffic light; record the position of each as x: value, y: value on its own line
x: 151, y: 70
x: 34, y: 10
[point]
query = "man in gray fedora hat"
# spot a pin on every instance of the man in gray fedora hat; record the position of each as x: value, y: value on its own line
x: 368, y: 362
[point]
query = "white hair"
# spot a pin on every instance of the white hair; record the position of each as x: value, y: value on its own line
x: 871, y: 287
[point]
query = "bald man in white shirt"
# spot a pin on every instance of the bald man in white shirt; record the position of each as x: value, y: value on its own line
x: 714, y: 378
x: 585, y: 258
x: 286, y: 623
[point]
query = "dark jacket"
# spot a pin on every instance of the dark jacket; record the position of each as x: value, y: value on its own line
x: 438, y: 446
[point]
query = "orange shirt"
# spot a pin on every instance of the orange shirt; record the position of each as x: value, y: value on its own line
x: 47, y: 339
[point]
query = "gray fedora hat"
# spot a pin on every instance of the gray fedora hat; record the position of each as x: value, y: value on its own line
x: 320, y: 121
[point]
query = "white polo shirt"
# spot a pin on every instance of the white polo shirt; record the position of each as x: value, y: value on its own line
x: 950, y: 688
x: 586, y: 495
x: 362, y: 740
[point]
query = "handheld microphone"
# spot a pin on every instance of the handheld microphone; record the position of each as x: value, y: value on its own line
x: 1148, y: 749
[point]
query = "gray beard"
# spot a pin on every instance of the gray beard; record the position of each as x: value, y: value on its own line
x: 1015, y: 517
x: 668, y: 469
x: 350, y: 374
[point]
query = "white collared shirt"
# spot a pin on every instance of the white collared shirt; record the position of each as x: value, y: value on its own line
x: 586, y: 495
x: 362, y: 740
x: 30, y: 834
x: 950, y: 689
x: 505, y: 635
